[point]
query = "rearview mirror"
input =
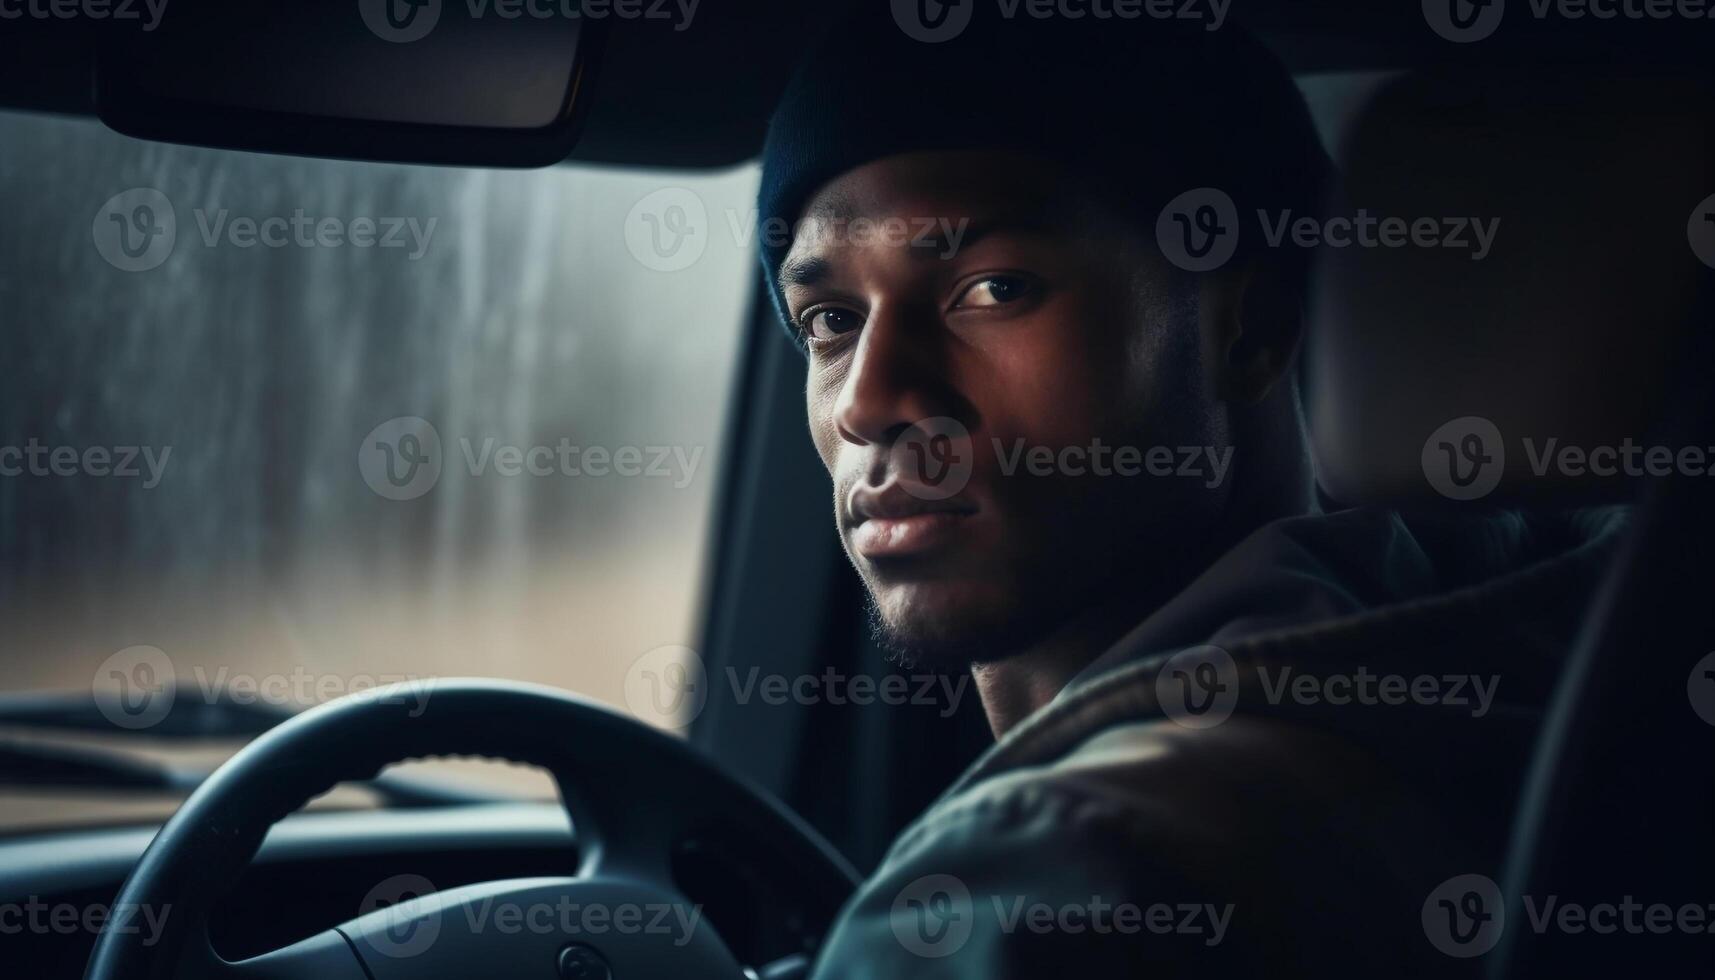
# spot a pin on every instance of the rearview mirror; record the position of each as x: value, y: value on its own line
x: 469, y: 82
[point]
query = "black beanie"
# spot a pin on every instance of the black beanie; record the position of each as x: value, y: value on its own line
x: 1150, y: 107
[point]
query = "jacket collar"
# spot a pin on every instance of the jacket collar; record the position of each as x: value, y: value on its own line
x: 1293, y: 574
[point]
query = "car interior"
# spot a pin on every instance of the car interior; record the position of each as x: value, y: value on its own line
x: 289, y: 807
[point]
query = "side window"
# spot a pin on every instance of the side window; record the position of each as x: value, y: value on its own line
x: 300, y: 426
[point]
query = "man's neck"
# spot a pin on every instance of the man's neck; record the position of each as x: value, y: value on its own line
x: 1014, y: 688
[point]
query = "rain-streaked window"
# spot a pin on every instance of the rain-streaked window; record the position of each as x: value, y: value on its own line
x: 305, y: 424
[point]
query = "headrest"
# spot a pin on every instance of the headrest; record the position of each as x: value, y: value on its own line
x: 1541, y: 242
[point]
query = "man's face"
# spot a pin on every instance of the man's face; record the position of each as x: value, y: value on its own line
x: 979, y: 339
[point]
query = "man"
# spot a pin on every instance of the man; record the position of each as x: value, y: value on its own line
x: 1069, y: 454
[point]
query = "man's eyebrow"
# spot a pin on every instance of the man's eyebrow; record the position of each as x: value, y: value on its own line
x: 805, y: 272
x: 931, y: 238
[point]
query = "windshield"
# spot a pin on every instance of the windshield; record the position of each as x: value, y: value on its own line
x: 276, y: 430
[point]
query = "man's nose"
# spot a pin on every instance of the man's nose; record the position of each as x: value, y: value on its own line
x: 897, y: 378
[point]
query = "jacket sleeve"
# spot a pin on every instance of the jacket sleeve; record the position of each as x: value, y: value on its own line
x: 1033, y: 881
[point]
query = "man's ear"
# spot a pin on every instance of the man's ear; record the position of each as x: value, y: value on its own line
x: 1252, y: 320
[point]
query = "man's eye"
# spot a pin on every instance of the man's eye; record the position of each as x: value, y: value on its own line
x: 993, y: 291
x: 831, y: 322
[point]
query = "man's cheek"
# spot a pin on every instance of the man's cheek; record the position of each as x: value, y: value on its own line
x: 826, y: 438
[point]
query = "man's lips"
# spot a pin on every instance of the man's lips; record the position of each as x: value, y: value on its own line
x: 890, y: 522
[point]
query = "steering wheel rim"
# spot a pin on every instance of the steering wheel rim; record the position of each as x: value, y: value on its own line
x: 634, y: 795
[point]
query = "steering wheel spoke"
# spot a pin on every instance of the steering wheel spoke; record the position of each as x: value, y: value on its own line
x: 324, y: 956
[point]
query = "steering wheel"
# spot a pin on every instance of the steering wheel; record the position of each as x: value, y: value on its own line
x: 636, y: 797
